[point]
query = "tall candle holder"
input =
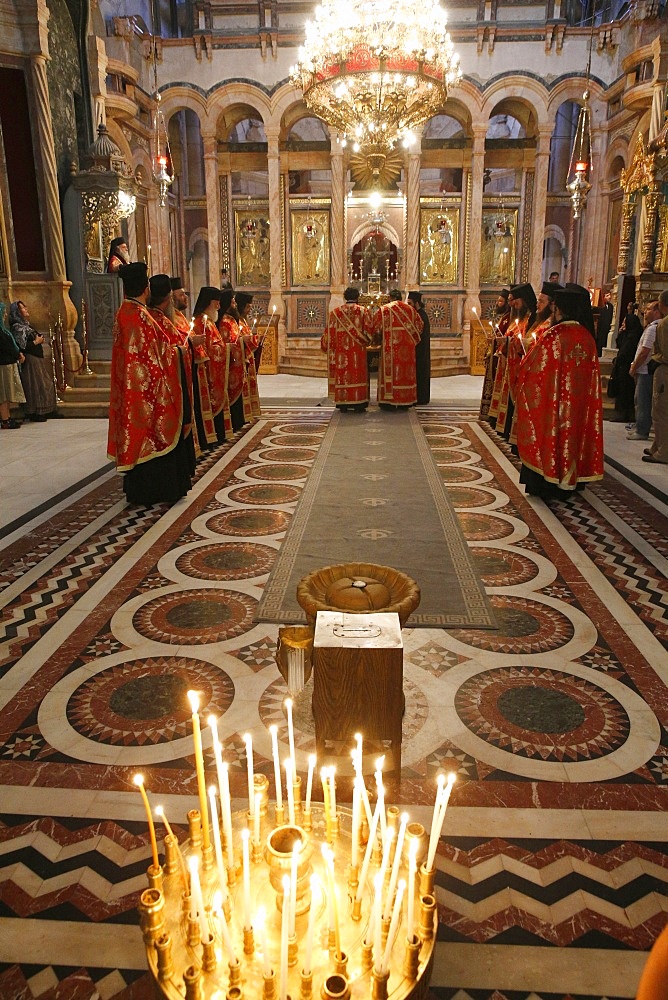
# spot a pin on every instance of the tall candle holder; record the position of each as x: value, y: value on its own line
x: 182, y: 960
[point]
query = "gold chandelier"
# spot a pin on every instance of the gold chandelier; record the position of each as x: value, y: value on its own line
x: 375, y: 69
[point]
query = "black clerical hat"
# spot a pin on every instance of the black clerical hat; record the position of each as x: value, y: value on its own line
x: 526, y: 293
x: 176, y: 283
x: 134, y: 277
x: 226, y: 296
x: 549, y: 288
x: 504, y: 294
x: 118, y: 241
x: 161, y: 286
x: 207, y: 294
x: 243, y: 299
x: 568, y: 300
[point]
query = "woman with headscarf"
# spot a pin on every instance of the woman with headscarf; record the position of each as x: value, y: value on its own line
x: 36, y: 370
x: 11, y: 390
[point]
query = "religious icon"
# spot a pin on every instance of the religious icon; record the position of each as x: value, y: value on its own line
x: 497, y: 256
x: 252, y: 244
x: 439, y: 230
x: 310, y: 247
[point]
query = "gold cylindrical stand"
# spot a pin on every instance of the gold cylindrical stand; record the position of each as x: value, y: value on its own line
x: 207, y: 858
x: 306, y: 986
x: 233, y: 993
x: 279, y: 813
x: 341, y: 963
x: 367, y: 957
x: 191, y: 978
x: 209, y: 961
x: 292, y: 951
x: 306, y: 819
x: 235, y: 973
x: 412, y: 958
x: 335, y: 987
x: 163, y: 948
x: 393, y: 817
x: 427, y: 877
x: 154, y: 876
x: 195, y: 829
x: 269, y: 986
x: 379, y: 985
x: 249, y: 941
x: 192, y: 934
x: 357, y: 910
x: 151, y: 907
x: 427, y: 910
x: 415, y: 832
x: 172, y: 863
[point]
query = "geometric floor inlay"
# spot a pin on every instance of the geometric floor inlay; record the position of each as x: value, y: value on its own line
x: 195, y: 616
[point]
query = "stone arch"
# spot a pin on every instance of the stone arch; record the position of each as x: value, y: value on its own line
x: 179, y: 98
x: 366, y: 228
x: 467, y: 98
x: 283, y: 101
x: 524, y: 97
x: 231, y: 102
x: 116, y: 133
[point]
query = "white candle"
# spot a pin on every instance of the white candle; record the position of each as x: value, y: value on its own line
x: 291, y: 735
x: 309, y: 930
x: 327, y: 855
x: 291, y: 791
x: 193, y: 698
x: 217, y: 751
x: 261, y: 922
x: 222, y: 876
x: 410, y: 908
x: 277, y: 766
x: 354, y: 833
x: 294, y: 864
x: 196, y: 898
x: 377, y: 924
x: 256, y: 818
x: 395, y: 866
x: 433, y: 836
x: 309, y: 781
x: 387, y: 846
x: 359, y: 742
x: 285, y: 920
x: 367, y: 853
x: 332, y: 792
x: 245, y: 837
x: 380, y: 791
x: 224, y: 929
x: 248, y: 740
x: 394, y: 923
x: 444, y: 795
x: 227, y: 813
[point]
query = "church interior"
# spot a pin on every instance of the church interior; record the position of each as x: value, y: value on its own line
x: 185, y: 128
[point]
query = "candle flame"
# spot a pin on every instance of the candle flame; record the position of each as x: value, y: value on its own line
x: 212, y: 721
x: 193, y: 698
x: 245, y: 833
x: 273, y: 310
x: 159, y: 811
x: 379, y: 763
x: 452, y: 777
x: 213, y: 791
x: 273, y: 729
x: 474, y: 310
x: 193, y: 864
x: 138, y: 780
x: 288, y: 703
x: 404, y: 817
x: 312, y: 759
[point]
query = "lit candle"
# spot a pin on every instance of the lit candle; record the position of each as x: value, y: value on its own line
x: 256, y: 818
x: 291, y: 736
x: 199, y: 767
x: 387, y: 846
x: 196, y: 898
x: 444, y: 796
x: 332, y: 908
x: 248, y: 740
x: 325, y: 795
x: 291, y: 791
x: 358, y: 751
x: 377, y: 924
x: 222, y: 877
x: 354, y: 833
x: 309, y: 781
x: 224, y: 929
x: 395, y: 866
x: 139, y: 782
x: 285, y: 920
x: 434, y: 819
x: 277, y: 766
x: 394, y: 923
x: 261, y: 921
x: 410, y: 908
x: 245, y: 837
x: 368, y: 853
x: 309, y: 930
x: 294, y: 864
x: 148, y: 258
x: 380, y: 793
x: 159, y: 811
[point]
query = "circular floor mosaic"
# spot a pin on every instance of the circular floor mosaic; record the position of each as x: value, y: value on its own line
x: 287, y: 455
x: 444, y: 456
x: 441, y: 443
x: 542, y: 714
x: 144, y: 702
x: 226, y: 561
x: 249, y: 523
x: 439, y: 430
x: 303, y: 427
x: 466, y: 496
x: 523, y: 626
x: 296, y: 440
x: 484, y: 527
x: 459, y: 473
x: 285, y: 470
x: 195, y: 617
x: 265, y: 493
x: 501, y: 568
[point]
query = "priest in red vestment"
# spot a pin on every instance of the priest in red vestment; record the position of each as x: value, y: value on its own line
x: 147, y: 407
x: 237, y: 381
x: 348, y: 334
x: 559, y: 406
x: 204, y: 433
x: 218, y: 358
x: 251, y: 339
x: 398, y: 327
x: 499, y: 323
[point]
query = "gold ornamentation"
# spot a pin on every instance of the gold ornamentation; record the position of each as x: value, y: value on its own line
x: 497, y: 255
x: 628, y: 211
x: 389, y: 170
x: 251, y: 230
x: 439, y: 231
x: 225, y: 224
x: 467, y: 227
x: 661, y: 256
x: 310, y: 247
x: 642, y: 173
x: 526, y: 228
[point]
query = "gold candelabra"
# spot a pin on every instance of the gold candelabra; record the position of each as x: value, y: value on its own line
x: 221, y: 931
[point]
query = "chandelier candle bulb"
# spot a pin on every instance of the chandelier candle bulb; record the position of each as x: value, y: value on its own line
x: 277, y: 773
x: 199, y: 767
x: 139, y: 782
x: 248, y: 740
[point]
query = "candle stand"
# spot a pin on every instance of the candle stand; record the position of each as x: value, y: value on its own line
x: 206, y: 957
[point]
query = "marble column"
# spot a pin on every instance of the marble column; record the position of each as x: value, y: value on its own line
x: 210, y: 143
x: 412, y: 250
x: 336, y: 227
x: 473, y: 235
x: 541, y: 171
x: 594, y: 217
x: 275, y: 235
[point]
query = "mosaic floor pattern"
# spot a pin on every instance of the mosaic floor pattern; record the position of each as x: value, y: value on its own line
x: 553, y: 868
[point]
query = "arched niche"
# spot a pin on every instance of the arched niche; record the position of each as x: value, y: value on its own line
x: 445, y: 139
x: 242, y: 137
x: 187, y: 148
x: 561, y: 144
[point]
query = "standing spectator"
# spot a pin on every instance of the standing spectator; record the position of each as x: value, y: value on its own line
x: 36, y: 370
x: 659, y: 449
x: 11, y: 390
x: 640, y: 372
x: 629, y: 336
x: 604, y: 322
x: 422, y: 351
x: 554, y: 277
x: 237, y: 383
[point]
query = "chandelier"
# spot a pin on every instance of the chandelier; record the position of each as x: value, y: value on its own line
x: 163, y: 155
x: 375, y: 69
x: 580, y: 164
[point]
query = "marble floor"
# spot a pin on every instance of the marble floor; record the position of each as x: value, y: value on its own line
x: 552, y: 868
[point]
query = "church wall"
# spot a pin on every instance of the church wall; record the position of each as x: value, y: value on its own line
x: 64, y: 82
